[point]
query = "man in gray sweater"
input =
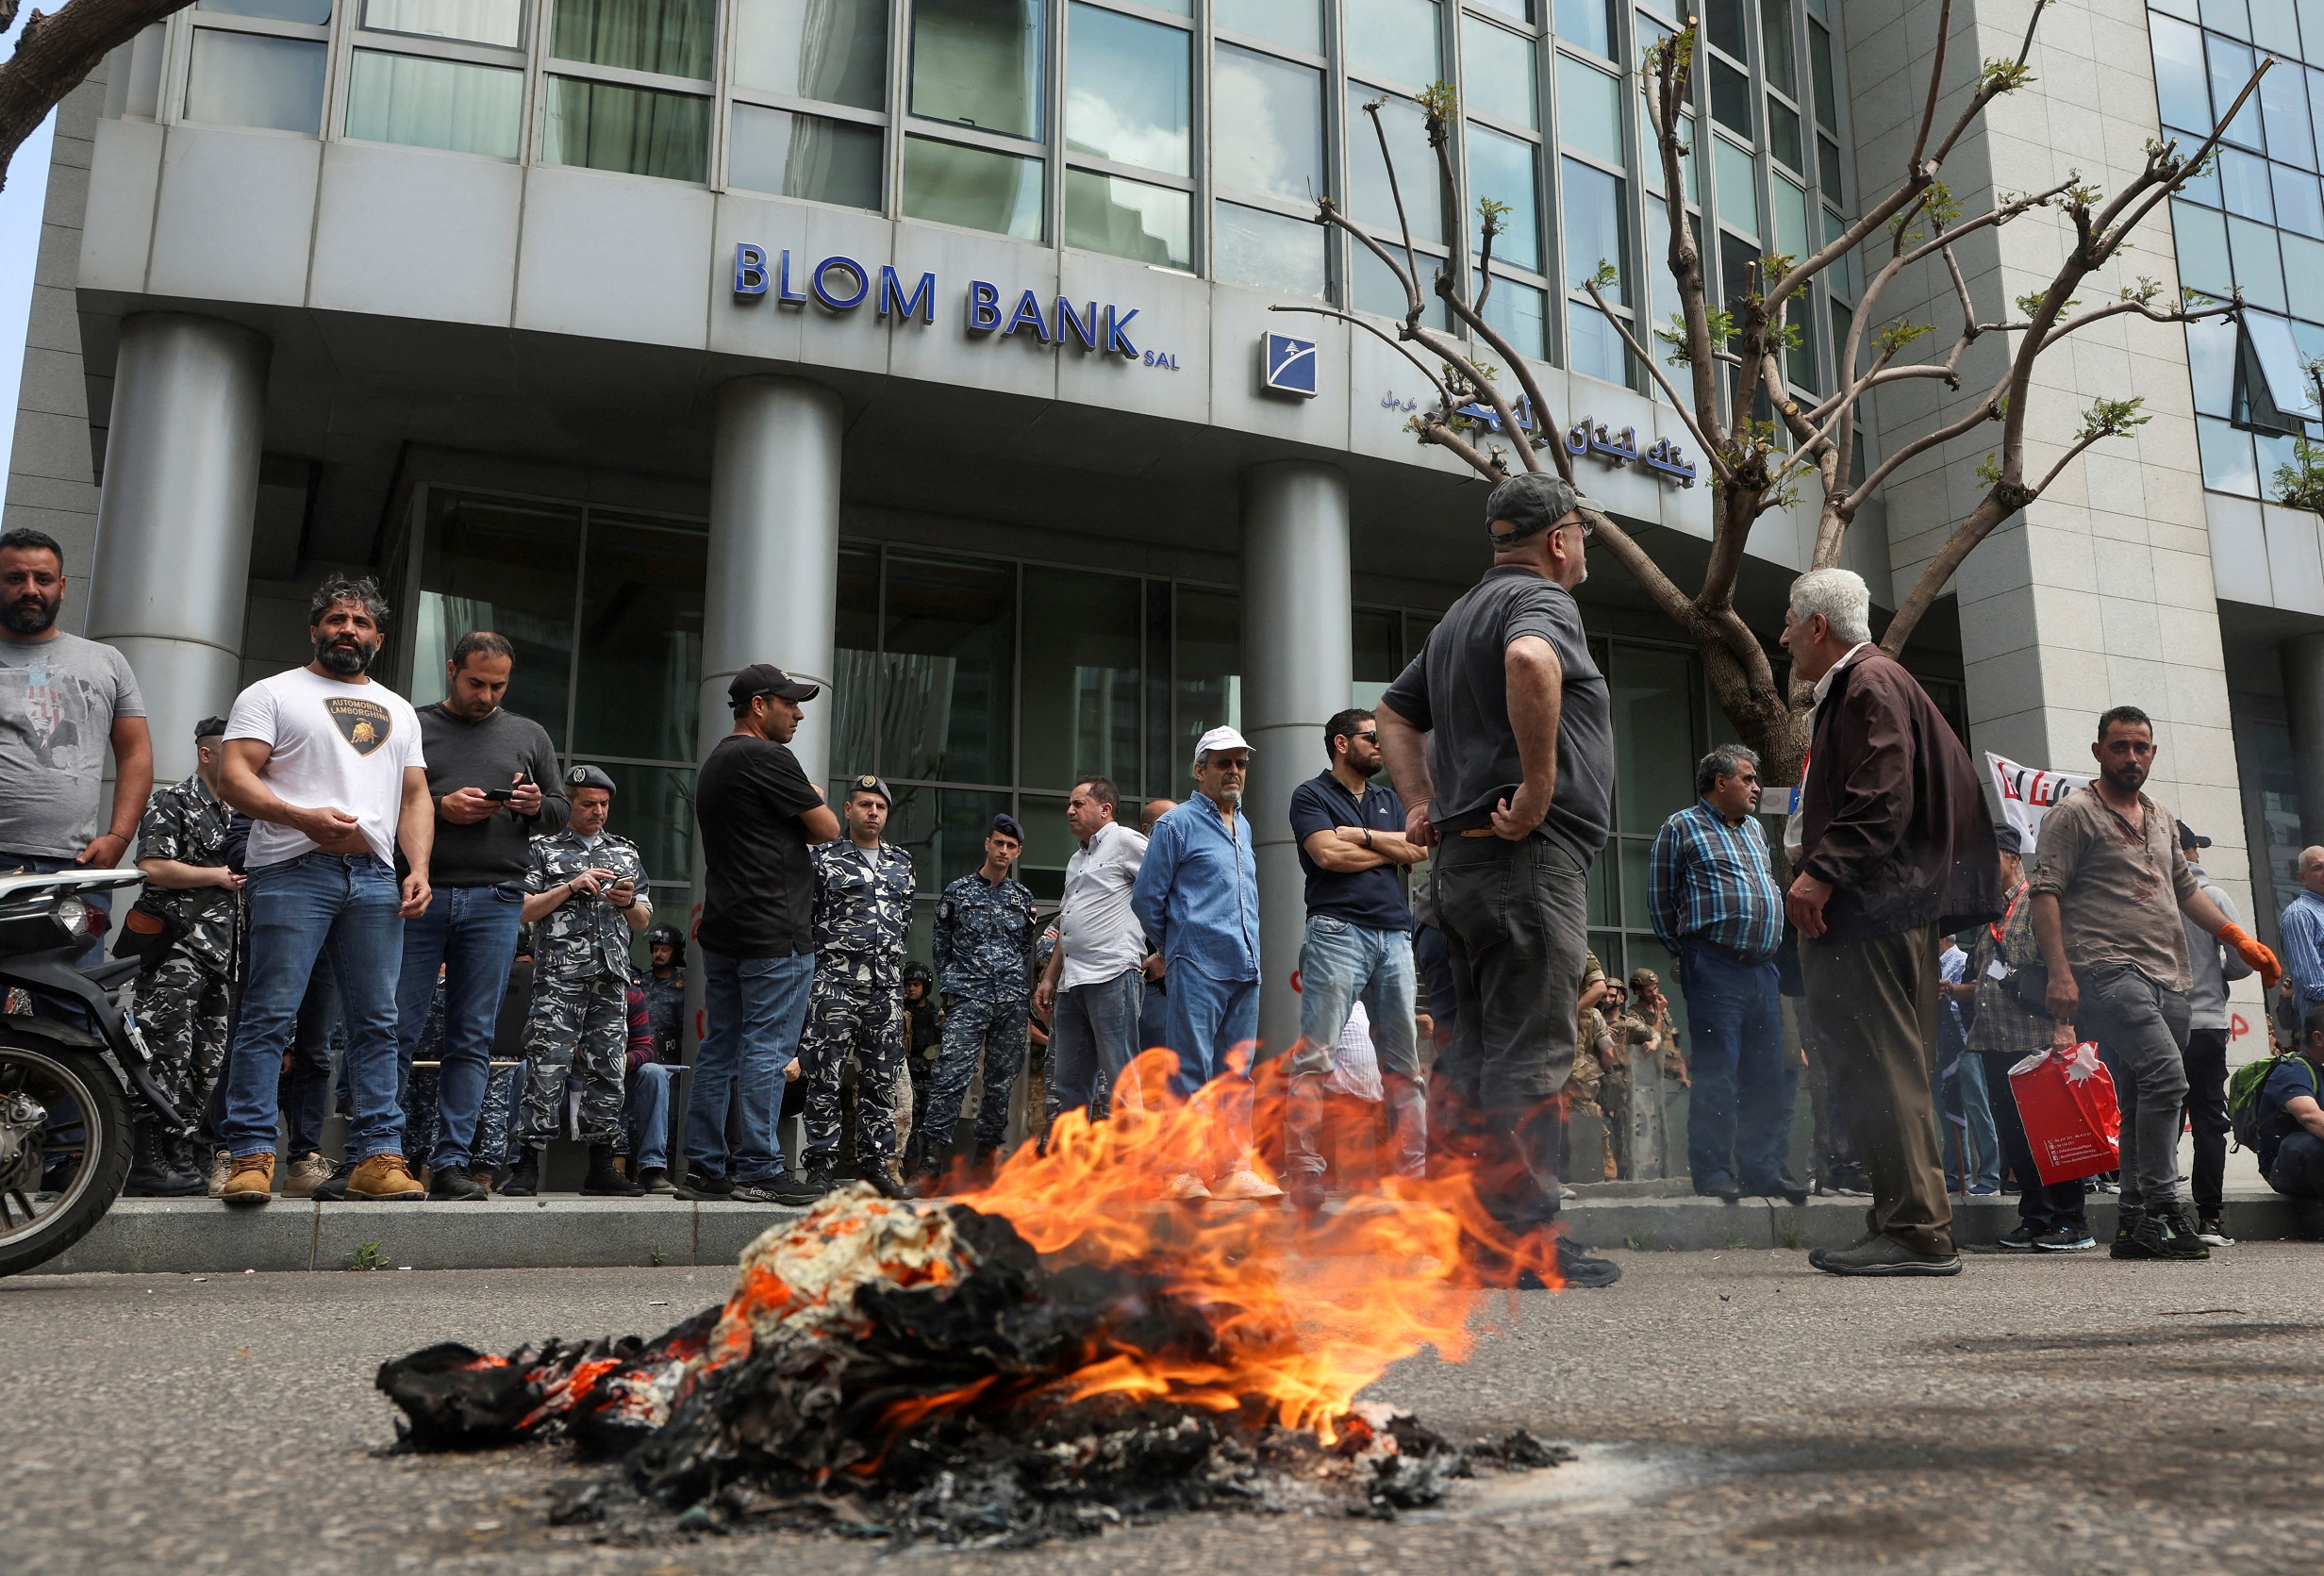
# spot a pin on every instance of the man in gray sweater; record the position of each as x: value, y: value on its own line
x: 493, y: 777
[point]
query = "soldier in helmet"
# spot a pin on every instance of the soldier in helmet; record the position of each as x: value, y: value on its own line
x: 924, y: 1042
x: 664, y: 984
x: 585, y: 892
x: 863, y: 907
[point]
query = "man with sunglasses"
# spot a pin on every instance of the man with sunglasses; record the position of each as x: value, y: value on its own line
x: 1500, y: 738
x: 1358, y: 947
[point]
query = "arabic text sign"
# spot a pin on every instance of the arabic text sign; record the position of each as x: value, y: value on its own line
x: 2028, y: 793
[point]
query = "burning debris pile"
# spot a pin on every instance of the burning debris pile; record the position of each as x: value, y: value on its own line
x: 1049, y: 1355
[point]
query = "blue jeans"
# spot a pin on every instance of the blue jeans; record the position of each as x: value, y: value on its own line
x: 471, y: 931
x: 1340, y: 964
x: 1092, y: 1036
x: 2298, y: 1170
x: 337, y: 906
x: 1971, y: 1141
x: 646, y: 1115
x: 1739, y: 1125
x: 755, y: 1007
x: 1207, y: 1018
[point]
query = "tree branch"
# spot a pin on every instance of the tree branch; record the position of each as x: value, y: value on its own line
x: 55, y: 54
x: 1661, y: 382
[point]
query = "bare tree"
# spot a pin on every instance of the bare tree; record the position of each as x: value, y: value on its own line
x: 55, y: 54
x: 1761, y: 444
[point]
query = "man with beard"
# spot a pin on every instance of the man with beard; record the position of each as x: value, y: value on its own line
x: 2109, y: 884
x: 1500, y: 737
x: 1358, y: 947
x: 62, y: 700
x: 330, y: 767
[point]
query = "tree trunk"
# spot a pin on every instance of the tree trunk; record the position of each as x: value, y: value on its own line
x: 1763, y: 715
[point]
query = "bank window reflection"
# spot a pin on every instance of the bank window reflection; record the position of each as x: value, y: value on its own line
x: 259, y: 63
x: 948, y: 669
x: 509, y: 567
x: 658, y: 127
x: 811, y: 89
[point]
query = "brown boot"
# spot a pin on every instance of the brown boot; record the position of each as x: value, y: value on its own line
x: 250, y: 1180
x: 385, y: 1176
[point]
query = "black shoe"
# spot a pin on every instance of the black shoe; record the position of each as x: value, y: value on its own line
x: 605, y: 1179
x: 988, y: 1158
x: 1303, y: 1191
x: 1720, y: 1188
x: 2126, y: 1244
x: 703, y: 1187
x: 1781, y: 1187
x: 1884, y: 1257
x: 1577, y: 1267
x: 821, y: 1175
x: 524, y: 1176
x: 792, y: 1192
x: 2065, y: 1239
x: 2170, y: 1233
x: 453, y: 1182
x: 655, y: 1179
x: 2020, y: 1238
x: 332, y: 1188
x: 151, y: 1176
x: 886, y: 1178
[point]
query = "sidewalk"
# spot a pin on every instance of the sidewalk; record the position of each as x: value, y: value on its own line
x: 565, y: 1232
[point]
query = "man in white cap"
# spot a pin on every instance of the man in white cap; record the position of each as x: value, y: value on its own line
x: 1198, y: 898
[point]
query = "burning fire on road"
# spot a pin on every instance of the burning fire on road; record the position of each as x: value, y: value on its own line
x: 1049, y: 1354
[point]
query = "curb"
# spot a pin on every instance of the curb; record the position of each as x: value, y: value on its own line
x: 1695, y: 1224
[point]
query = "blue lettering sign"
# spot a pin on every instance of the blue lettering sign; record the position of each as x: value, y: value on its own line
x: 984, y: 306
x: 921, y: 301
x: 1087, y: 332
x: 1118, y: 343
x: 1028, y: 315
x: 750, y: 271
x: 841, y: 302
x: 783, y: 292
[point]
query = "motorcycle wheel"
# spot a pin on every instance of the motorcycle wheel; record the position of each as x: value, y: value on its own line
x: 70, y: 1126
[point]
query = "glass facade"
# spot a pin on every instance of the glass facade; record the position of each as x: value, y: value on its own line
x: 1194, y: 135
x: 2254, y: 224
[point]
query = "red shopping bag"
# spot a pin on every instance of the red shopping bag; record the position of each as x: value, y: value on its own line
x: 2067, y: 1105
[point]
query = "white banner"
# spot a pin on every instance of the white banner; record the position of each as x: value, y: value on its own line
x: 2028, y: 793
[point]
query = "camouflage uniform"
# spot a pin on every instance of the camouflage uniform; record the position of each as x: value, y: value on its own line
x: 984, y: 946
x: 665, y: 1012
x: 580, y: 1012
x: 185, y: 995
x: 863, y: 907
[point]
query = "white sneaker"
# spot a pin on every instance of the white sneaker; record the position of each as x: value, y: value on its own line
x: 1186, y: 1187
x: 308, y: 1172
x: 2212, y: 1236
x: 221, y: 1162
x: 1245, y: 1184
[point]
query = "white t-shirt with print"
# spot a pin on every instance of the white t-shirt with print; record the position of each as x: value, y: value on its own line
x: 342, y: 746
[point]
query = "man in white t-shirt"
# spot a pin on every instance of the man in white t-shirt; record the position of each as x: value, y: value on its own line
x: 1095, y: 982
x: 328, y: 765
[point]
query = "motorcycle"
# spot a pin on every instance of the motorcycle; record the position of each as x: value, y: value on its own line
x: 75, y: 1075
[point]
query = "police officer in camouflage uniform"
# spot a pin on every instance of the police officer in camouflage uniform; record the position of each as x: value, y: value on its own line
x: 985, y: 931
x: 585, y: 892
x: 863, y: 907
x: 185, y: 992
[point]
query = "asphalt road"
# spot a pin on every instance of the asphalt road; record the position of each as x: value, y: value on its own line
x: 1737, y: 1411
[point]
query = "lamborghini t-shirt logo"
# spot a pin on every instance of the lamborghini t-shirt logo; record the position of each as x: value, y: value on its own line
x: 364, y: 724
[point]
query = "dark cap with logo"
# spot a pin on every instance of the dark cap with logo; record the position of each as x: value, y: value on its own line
x: 1006, y: 825
x: 869, y: 784
x: 2009, y: 840
x: 764, y: 678
x: 1531, y: 503
x: 586, y: 776
x: 2188, y: 840
x: 209, y: 727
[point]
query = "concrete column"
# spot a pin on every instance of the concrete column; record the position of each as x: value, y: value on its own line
x: 2303, y: 696
x: 774, y: 550
x: 1298, y: 666
x: 174, y: 519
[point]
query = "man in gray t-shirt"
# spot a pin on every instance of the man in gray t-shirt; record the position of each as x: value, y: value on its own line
x: 63, y: 701
x: 1499, y: 740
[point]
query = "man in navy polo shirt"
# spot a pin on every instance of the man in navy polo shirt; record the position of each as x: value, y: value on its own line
x: 1351, y: 844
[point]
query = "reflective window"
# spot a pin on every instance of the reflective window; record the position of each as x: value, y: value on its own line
x: 425, y: 103
x: 2303, y: 277
x: 314, y: 13
x: 2275, y: 26
x: 972, y: 187
x: 1522, y: 10
x: 1722, y: 24
x: 1588, y: 23
x: 2244, y: 184
x: 641, y: 639
x: 635, y: 131
x: 654, y: 808
x: 2228, y: 465
x: 1251, y: 246
x: 1369, y: 199
x: 1657, y: 700
x: 1775, y: 57
x: 2284, y: 110
x: 1207, y: 640
x: 1791, y: 235
x: 496, y: 22
x: 2202, y: 249
x: 1498, y: 74
x: 855, y: 688
x: 256, y: 79
x: 1589, y: 109
x: 832, y: 50
x: 1738, y: 187
x: 671, y: 37
x: 1267, y: 125
x: 2253, y: 247
x: 1828, y: 166
x: 2212, y: 345
x: 1126, y: 90
x: 1784, y: 134
x: 1393, y: 40
x: 1521, y: 315
x: 1731, y: 97
x: 1293, y: 23
x: 978, y: 63
x: 949, y: 668
x: 1820, y: 68
x: 1592, y: 346
x: 1595, y: 231
x: 804, y: 155
x: 2230, y: 68
x: 1129, y: 219
x: 1083, y: 683
x: 506, y: 566
x: 1507, y: 170
x: 2181, y: 86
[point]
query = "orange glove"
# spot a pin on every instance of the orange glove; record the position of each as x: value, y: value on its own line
x: 2261, y: 959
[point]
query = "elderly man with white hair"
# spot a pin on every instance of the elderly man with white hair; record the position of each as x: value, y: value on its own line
x: 1892, y: 848
x: 1198, y: 898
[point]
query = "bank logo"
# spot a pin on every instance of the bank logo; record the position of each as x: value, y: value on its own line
x: 1288, y: 366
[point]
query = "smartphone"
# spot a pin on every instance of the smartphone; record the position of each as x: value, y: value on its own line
x: 499, y: 794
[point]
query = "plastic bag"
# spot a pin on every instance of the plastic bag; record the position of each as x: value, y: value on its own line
x: 2072, y: 1121
x: 1355, y: 1067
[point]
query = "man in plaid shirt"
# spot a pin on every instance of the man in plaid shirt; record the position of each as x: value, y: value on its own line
x: 1715, y: 906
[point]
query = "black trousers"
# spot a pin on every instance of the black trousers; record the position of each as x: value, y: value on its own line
x: 2206, y: 1107
x: 2044, y: 1206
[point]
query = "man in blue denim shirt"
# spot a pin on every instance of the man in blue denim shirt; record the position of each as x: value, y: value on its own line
x: 1359, y: 946
x: 1198, y: 897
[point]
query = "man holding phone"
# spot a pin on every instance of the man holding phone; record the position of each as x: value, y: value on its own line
x: 486, y: 769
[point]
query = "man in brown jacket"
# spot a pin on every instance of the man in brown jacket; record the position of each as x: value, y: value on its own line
x: 1893, y: 850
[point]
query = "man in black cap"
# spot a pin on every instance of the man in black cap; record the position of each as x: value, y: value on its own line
x: 985, y: 931
x: 756, y: 813
x: 863, y: 909
x: 1499, y: 738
